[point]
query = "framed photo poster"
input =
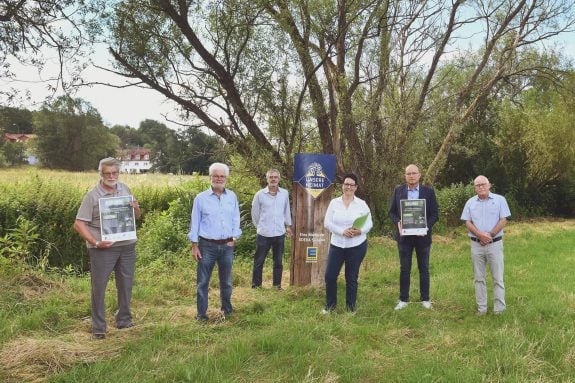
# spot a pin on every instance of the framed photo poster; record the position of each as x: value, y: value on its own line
x: 413, y: 217
x: 117, y: 218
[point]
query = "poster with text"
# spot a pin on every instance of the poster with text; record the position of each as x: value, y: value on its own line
x: 117, y: 219
x: 413, y: 217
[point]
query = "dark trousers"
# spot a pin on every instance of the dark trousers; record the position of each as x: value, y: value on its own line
x: 121, y: 260
x: 337, y: 256
x: 263, y: 245
x: 406, y: 248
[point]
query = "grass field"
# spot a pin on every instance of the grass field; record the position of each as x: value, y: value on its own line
x: 89, y: 178
x: 280, y: 336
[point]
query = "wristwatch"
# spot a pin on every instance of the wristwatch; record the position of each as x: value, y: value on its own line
x: 492, y: 234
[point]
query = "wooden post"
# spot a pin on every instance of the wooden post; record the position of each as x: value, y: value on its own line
x: 308, y: 231
x: 310, y: 237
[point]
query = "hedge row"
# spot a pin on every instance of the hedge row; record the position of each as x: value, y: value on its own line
x: 49, y: 206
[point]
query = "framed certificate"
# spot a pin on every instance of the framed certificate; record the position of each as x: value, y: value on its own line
x: 117, y: 218
x: 413, y: 217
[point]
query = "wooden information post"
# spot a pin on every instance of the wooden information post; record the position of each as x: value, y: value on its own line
x: 314, y: 175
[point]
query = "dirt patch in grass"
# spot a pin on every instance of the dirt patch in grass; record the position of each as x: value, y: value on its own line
x: 34, y: 285
x: 35, y: 360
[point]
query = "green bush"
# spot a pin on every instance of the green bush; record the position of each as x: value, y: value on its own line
x: 50, y: 207
x: 451, y: 201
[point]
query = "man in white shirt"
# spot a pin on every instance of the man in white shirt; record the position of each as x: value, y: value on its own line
x: 271, y: 215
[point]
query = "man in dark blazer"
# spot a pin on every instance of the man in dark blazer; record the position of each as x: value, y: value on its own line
x: 407, y: 243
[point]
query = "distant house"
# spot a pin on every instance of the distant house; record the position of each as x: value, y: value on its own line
x: 23, y: 138
x: 18, y: 137
x: 135, y: 160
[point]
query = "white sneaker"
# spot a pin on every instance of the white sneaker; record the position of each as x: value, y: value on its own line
x: 325, y: 312
x: 426, y: 304
x: 401, y: 305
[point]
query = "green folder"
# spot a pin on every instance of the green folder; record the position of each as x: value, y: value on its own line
x: 360, y: 221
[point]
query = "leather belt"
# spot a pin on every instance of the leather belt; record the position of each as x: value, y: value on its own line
x: 494, y: 239
x: 218, y: 241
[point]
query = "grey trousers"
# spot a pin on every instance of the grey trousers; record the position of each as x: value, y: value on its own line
x: 491, y: 255
x: 121, y: 260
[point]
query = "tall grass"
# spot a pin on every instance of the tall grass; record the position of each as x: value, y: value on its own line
x: 280, y: 336
x: 48, y: 202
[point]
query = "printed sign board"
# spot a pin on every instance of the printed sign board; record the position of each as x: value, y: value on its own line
x: 413, y: 217
x: 117, y: 219
x: 315, y: 172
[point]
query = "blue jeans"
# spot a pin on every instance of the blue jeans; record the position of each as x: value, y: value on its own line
x: 263, y: 245
x: 223, y: 255
x: 337, y: 256
x: 405, y: 256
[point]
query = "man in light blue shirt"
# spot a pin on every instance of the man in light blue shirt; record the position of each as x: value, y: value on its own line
x: 271, y: 215
x: 485, y: 215
x: 214, y: 229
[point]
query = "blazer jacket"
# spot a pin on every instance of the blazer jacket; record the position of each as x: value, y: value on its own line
x: 432, y: 211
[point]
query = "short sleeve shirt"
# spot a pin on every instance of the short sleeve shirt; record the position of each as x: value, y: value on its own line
x: 89, y: 210
x: 485, y: 214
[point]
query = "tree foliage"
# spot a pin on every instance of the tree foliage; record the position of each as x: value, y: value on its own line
x: 16, y: 120
x: 360, y: 79
x: 71, y: 135
x: 31, y: 30
x: 182, y: 151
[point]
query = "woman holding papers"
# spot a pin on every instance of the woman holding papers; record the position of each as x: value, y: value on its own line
x: 349, y: 220
x: 107, y: 255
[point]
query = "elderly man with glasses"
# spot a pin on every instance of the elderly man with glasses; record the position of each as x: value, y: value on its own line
x: 271, y: 215
x: 407, y: 243
x: 214, y: 229
x: 485, y: 215
x: 107, y: 256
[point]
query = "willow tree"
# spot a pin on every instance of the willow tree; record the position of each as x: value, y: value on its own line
x: 32, y: 30
x: 354, y: 78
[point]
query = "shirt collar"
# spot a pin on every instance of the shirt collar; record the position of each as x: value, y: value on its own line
x: 267, y: 189
x: 212, y: 190
x: 489, y: 196
x: 104, y: 191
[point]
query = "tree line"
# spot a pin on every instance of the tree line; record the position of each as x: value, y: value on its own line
x: 71, y: 136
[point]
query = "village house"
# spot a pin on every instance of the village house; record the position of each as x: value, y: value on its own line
x: 23, y: 138
x: 18, y: 137
x: 135, y: 160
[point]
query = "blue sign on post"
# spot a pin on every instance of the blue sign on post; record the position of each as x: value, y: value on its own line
x: 311, y: 254
x: 315, y: 172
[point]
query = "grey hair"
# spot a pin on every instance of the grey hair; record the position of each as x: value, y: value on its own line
x: 109, y: 161
x: 272, y: 170
x: 219, y: 166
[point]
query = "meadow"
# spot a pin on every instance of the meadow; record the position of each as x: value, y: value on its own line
x: 280, y: 336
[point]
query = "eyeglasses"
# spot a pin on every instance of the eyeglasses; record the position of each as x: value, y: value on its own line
x: 480, y: 185
x: 349, y: 185
x: 218, y: 176
x: 411, y: 174
x: 110, y: 174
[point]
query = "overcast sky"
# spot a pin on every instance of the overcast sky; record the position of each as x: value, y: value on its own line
x: 117, y: 106
x: 130, y: 106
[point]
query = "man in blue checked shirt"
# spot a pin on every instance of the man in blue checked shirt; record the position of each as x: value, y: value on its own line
x: 214, y: 229
x: 271, y: 216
